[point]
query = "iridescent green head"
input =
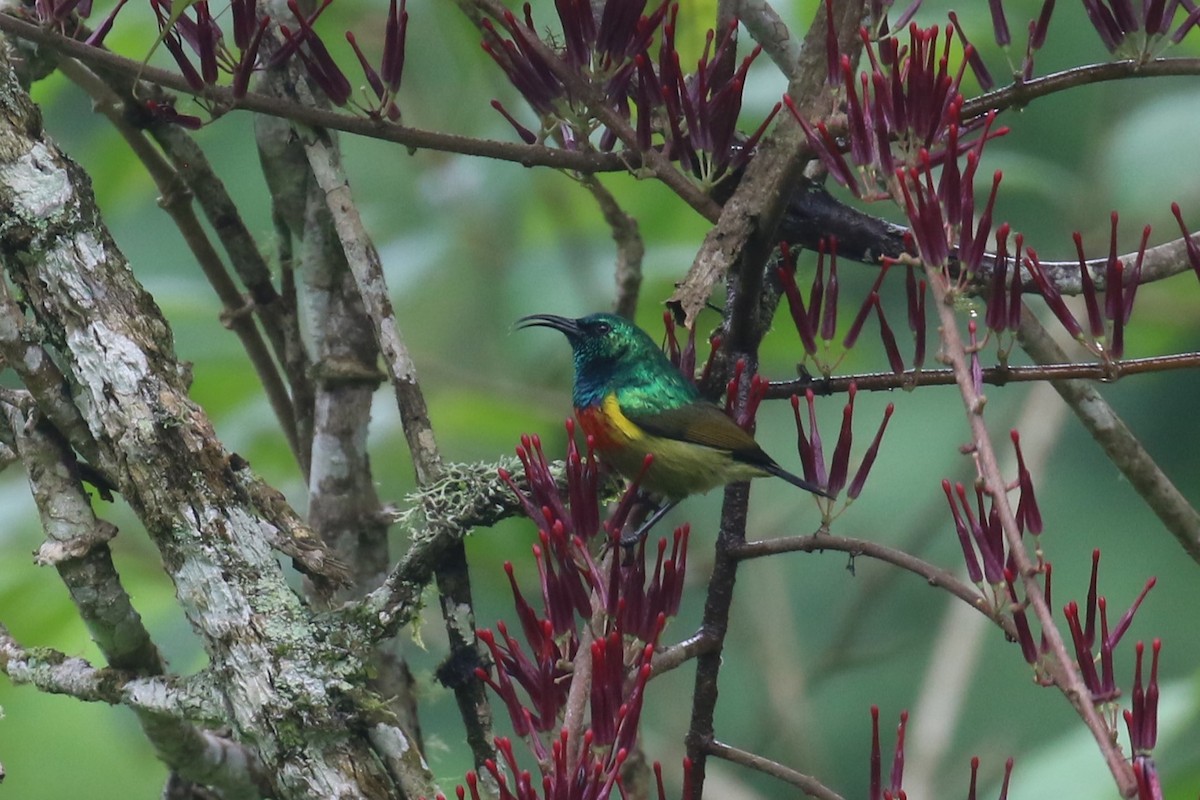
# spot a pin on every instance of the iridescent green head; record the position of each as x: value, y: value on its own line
x: 611, y: 355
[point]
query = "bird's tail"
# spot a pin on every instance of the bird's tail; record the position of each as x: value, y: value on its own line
x: 795, y: 480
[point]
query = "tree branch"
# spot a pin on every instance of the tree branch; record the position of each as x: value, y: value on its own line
x: 933, y: 575
x: 176, y: 200
x: 805, y: 783
x: 999, y: 375
x: 223, y: 100
x: 1065, y: 675
x: 1120, y: 445
x: 286, y: 668
x: 1020, y: 94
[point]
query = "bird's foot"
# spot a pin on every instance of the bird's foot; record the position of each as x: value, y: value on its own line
x: 630, y: 539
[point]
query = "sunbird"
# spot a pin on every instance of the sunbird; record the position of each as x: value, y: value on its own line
x: 633, y: 401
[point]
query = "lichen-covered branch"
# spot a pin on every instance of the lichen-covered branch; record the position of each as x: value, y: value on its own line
x: 287, y: 671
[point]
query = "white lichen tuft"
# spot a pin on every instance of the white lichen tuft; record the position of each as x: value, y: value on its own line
x: 467, y: 495
x: 36, y: 184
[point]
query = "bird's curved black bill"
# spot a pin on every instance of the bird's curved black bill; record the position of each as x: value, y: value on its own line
x: 564, y: 324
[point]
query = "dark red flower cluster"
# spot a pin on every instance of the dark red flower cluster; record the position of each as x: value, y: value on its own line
x: 701, y: 110
x: 683, y: 354
x: 693, y: 118
x: 1142, y: 724
x: 812, y: 457
x: 818, y: 317
x: 1139, y: 30
x: 979, y: 533
x: 1093, y: 641
x: 1105, y: 333
x: 903, y: 114
x: 193, y: 36
x: 1101, y: 684
x: 601, y: 605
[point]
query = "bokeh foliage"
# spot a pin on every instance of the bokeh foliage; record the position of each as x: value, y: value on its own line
x: 470, y: 245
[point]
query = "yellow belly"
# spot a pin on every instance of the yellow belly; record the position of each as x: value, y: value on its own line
x: 679, y: 468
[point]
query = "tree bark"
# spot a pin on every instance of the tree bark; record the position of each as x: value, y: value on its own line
x: 286, y: 676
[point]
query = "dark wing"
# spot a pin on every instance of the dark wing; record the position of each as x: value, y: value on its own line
x: 706, y: 425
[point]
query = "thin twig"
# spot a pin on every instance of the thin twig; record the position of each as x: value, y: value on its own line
x: 805, y: 783
x: 630, y: 247
x: 223, y: 100
x: 1123, y: 448
x: 1019, y: 94
x: 999, y: 375
x: 933, y: 575
x: 1065, y: 674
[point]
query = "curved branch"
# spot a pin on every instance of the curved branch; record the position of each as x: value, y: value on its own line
x: 414, y: 138
x: 805, y: 783
x: 678, y: 654
x: 1063, y: 670
x: 935, y: 576
x: 1019, y: 94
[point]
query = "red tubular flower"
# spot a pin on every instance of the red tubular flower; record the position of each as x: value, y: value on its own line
x: 1029, y: 649
x: 1127, y: 618
x: 249, y: 59
x: 868, y: 460
x: 98, y: 35
x: 1052, y: 296
x: 1089, y: 630
x: 971, y: 54
x: 895, y: 360
x: 807, y: 459
x: 1029, y: 517
x: 373, y: 79
x: 830, y: 301
x: 1193, y: 248
x: 897, y: 777
x: 914, y: 292
x: 1083, y: 655
x: 868, y: 305
x: 1137, y: 29
x: 840, y: 466
x: 801, y: 317
x: 964, y: 535
x: 875, y: 791
x: 996, y: 315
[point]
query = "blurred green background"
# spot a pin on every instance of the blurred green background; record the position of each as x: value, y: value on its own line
x: 470, y: 245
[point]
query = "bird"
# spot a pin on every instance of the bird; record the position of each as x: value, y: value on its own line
x: 633, y: 402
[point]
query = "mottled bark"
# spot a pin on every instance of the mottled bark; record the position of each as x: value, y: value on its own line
x: 287, y: 678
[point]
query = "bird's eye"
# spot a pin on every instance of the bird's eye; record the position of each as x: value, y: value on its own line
x: 603, y: 328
